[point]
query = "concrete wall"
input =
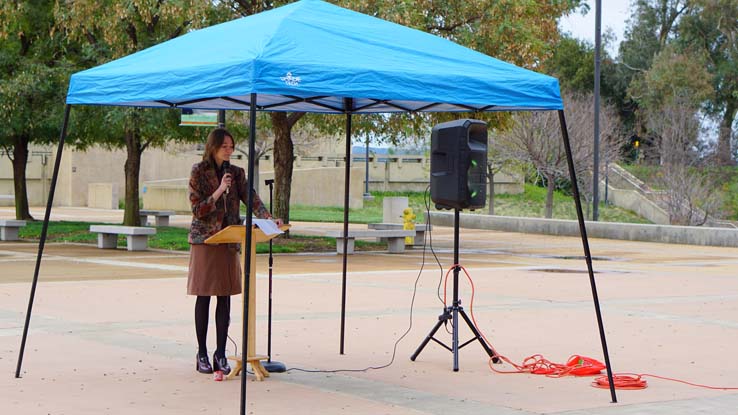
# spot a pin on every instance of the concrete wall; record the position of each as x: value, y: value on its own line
x: 314, y: 187
x: 38, y: 177
x: 691, y: 235
x: 97, y: 165
x: 627, y: 191
x: 166, y: 195
x: 321, y: 187
x: 401, y: 173
x: 80, y: 169
x: 102, y: 195
x: 636, y: 202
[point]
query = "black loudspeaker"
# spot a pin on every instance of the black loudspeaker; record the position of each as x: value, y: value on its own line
x: 459, y: 164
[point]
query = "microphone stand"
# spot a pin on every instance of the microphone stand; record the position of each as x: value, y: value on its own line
x: 269, y: 365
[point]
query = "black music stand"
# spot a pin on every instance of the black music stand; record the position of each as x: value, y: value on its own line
x: 452, y: 313
x: 271, y: 365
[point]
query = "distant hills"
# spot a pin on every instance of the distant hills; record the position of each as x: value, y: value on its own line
x: 361, y: 150
x: 372, y: 150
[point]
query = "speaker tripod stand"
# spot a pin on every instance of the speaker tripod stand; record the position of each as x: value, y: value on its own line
x: 453, y: 312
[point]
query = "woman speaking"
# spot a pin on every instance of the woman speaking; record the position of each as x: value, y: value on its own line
x: 216, y: 189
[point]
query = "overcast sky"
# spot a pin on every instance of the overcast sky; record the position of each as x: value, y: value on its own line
x: 615, y: 13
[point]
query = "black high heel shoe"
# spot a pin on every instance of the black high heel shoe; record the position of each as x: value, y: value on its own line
x: 221, y: 363
x: 203, y: 364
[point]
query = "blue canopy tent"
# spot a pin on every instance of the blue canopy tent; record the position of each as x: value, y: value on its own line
x: 311, y: 56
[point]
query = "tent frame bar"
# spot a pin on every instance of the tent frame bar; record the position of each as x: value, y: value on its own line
x: 348, y: 103
x: 249, y: 241
x: 44, y: 231
x: 237, y: 101
x: 587, y: 253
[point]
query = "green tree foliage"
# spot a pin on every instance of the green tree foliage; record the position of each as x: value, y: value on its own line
x: 651, y: 25
x: 572, y: 62
x: 676, y: 47
x: 110, y: 29
x: 712, y: 25
x: 674, y: 74
x: 32, y: 84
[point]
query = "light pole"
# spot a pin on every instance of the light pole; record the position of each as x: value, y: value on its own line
x: 596, y: 162
x: 367, y: 195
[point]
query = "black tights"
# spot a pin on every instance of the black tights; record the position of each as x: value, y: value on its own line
x: 222, y: 317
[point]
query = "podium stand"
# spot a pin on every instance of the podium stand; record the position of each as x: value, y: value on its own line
x: 237, y: 234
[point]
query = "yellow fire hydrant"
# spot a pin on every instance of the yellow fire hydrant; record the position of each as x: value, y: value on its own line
x: 408, y: 224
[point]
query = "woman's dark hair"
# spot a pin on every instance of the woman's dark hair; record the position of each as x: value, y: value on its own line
x: 215, y: 140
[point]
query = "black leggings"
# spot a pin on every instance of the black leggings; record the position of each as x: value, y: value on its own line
x: 222, y: 318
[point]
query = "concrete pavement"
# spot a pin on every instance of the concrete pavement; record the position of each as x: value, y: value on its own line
x: 112, y: 331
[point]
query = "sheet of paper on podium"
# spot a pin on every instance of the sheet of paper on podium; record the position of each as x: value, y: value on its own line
x: 266, y: 225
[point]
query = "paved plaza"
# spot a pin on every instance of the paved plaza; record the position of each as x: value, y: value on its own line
x: 112, y: 331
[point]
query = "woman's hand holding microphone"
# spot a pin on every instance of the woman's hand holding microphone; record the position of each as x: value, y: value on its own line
x: 225, y: 182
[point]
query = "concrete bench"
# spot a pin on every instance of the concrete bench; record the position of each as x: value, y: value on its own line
x: 9, y: 229
x: 137, y: 237
x: 420, y: 229
x: 395, y: 239
x: 160, y: 216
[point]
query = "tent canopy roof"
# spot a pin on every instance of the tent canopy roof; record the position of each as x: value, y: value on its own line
x: 309, y: 56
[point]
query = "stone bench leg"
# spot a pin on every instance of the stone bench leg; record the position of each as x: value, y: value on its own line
x: 137, y: 242
x: 419, y: 236
x: 161, y: 221
x: 396, y: 245
x: 107, y: 240
x: 349, y: 246
x: 9, y: 233
x: 144, y: 220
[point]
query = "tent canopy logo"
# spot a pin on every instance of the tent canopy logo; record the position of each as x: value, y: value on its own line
x: 291, y: 80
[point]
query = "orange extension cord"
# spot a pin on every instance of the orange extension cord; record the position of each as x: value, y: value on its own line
x: 575, y: 366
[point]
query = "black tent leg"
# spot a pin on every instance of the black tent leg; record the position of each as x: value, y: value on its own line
x: 587, y: 254
x: 247, y: 252
x: 41, y: 244
x: 348, y: 104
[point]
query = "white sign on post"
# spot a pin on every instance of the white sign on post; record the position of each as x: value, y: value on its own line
x: 198, y: 118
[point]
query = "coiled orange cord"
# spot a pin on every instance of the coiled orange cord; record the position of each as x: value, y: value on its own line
x: 575, y: 366
x: 635, y: 381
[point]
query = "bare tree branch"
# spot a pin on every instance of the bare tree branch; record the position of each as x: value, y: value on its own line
x: 689, y: 193
x: 536, y: 138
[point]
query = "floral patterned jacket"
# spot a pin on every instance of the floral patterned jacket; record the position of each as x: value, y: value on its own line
x: 210, y: 216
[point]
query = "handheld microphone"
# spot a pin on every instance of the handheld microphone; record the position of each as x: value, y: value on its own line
x: 226, y: 166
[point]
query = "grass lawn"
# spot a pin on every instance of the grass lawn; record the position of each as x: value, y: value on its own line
x: 530, y: 203
x: 370, y: 213
x: 171, y: 238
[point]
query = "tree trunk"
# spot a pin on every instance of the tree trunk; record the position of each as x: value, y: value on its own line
x: 20, y: 160
x: 491, y: 176
x: 724, y: 153
x: 132, y: 169
x: 550, y: 185
x: 283, y: 164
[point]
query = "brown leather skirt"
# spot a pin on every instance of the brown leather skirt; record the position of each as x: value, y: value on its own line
x: 214, y: 270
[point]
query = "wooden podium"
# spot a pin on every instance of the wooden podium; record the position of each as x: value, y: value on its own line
x: 237, y: 234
